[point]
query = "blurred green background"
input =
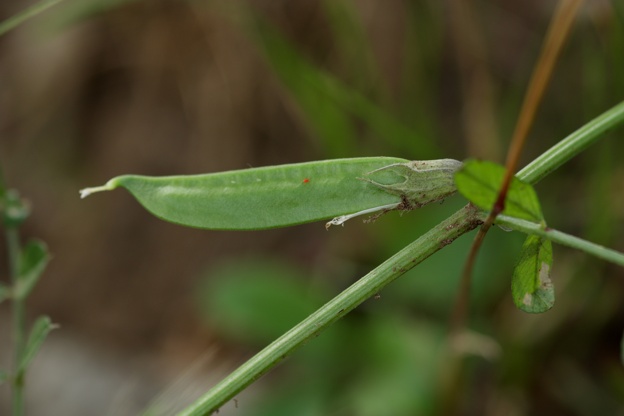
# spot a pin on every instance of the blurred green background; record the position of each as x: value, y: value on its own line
x: 153, y: 314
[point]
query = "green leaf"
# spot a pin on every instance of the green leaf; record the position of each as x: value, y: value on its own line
x: 480, y: 181
x: 531, y: 287
x: 260, y: 198
x: 40, y: 330
x: 33, y: 261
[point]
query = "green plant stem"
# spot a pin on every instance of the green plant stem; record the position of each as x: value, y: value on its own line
x: 18, y: 321
x: 19, y: 18
x: 365, y: 288
x: 17, y: 305
x: 572, y: 145
x: 562, y: 238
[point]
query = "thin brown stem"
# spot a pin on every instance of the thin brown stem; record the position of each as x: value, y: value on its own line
x: 555, y: 38
x: 459, y: 315
x: 557, y: 33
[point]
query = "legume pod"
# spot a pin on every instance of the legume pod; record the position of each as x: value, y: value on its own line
x: 270, y: 197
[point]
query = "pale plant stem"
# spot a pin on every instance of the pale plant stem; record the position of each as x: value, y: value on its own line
x: 18, y: 321
x: 18, y: 317
x: 572, y: 145
x: 555, y: 38
x: 365, y: 288
x: 562, y: 238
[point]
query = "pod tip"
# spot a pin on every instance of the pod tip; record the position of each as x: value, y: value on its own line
x: 88, y: 191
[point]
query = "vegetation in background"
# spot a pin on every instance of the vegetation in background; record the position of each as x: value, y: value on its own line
x: 394, y: 342
x: 26, y: 265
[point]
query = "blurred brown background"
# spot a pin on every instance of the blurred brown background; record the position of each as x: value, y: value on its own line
x: 91, y: 90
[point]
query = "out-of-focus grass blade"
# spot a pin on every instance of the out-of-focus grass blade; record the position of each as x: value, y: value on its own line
x: 329, y: 103
x: 351, y: 44
x: 14, y: 21
x: 312, y: 89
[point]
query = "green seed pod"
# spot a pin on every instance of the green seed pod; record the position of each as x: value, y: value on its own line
x: 285, y: 195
